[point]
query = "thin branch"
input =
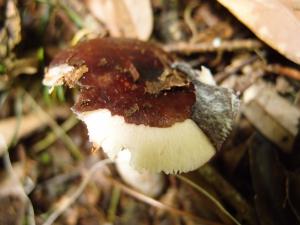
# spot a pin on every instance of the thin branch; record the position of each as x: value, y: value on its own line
x: 284, y: 70
x: 189, y: 48
x: 229, y: 70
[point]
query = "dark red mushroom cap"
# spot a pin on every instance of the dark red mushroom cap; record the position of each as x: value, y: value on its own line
x: 130, y: 78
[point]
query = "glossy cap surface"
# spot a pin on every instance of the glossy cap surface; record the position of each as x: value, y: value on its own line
x: 130, y: 78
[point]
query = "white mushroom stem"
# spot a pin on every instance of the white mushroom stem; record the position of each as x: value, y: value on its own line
x: 151, y: 184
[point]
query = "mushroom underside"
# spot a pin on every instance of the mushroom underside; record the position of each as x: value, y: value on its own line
x: 179, y: 148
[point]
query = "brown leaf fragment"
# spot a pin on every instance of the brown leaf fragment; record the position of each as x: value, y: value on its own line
x: 276, y: 22
x: 71, y: 79
x: 131, y: 110
x: 167, y: 80
x: 64, y: 74
x: 133, y: 71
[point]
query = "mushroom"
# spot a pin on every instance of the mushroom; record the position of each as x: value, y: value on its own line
x: 135, y: 97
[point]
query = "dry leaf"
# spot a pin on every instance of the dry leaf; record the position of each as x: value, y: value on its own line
x: 271, y: 114
x: 124, y: 18
x: 28, y: 124
x: 276, y: 22
x: 270, y: 181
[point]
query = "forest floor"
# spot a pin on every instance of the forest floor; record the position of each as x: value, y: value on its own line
x: 48, y: 172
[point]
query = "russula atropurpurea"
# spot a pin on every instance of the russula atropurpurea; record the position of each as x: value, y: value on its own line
x: 134, y: 96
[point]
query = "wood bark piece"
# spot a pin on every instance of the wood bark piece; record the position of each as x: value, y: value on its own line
x: 271, y: 114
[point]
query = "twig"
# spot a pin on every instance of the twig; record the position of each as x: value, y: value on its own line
x: 210, y: 197
x: 284, y: 70
x: 71, y: 199
x: 253, y: 77
x: 189, y: 48
x: 219, y: 77
x: 160, y: 205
